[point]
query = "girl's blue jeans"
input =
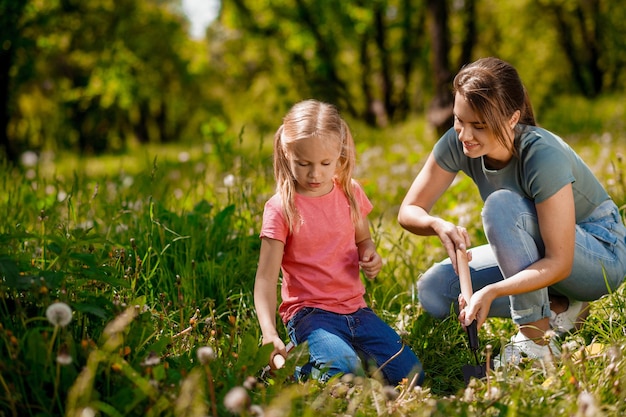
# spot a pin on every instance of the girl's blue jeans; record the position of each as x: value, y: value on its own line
x: 351, y: 343
x: 511, y: 226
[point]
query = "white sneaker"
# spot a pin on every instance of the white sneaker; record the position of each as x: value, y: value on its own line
x: 522, y: 347
x: 564, y: 322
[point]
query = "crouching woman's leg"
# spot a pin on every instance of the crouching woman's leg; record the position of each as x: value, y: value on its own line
x: 439, y: 288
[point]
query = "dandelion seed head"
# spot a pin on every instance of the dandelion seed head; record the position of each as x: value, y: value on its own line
x: 87, y: 412
x: 256, y: 410
x: 59, y: 314
x: 229, y: 180
x: 250, y: 382
x: 29, y: 159
x: 587, y: 405
x: 151, y: 360
x: 184, y: 156
x: 64, y: 358
x: 237, y: 400
x: 206, y: 354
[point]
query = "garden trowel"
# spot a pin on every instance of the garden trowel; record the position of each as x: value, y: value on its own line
x: 278, y: 360
x: 479, y: 370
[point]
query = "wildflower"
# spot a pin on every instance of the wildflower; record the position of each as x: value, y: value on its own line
x: 29, y: 159
x: 184, y: 156
x: 206, y: 354
x: 250, y: 382
x: 256, y: 410
x: 59, y: 314
x: 587, y: 405
x: 87, y: 412
x: 229, y: 180
x: 237, y: 400
x: 64, y: 358
x: 151, y: 360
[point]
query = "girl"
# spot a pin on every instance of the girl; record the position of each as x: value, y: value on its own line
x: 315, y: 230
x: 556, y: 239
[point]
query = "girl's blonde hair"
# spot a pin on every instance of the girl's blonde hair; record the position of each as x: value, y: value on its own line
x: 313, y: 119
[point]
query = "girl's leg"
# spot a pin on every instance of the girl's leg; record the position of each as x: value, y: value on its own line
x: 439, y: 288
x: 381, y: 347
x: 328, y: 336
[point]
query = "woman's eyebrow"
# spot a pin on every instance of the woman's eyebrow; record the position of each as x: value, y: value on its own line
x: 474, y: 123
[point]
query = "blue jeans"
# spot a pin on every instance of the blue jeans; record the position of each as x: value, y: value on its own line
x: 511, y: 227
x: 340, y: 343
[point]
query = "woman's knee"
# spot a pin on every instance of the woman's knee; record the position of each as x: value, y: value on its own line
x: 504, y: 203
x: 432, y: 293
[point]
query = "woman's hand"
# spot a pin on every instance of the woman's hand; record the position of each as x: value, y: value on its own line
x: 477, y: 309
x: 452, y: 237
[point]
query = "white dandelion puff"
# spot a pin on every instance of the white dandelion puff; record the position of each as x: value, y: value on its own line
x: 206, y: 354
x: 59, y: 314
x: 229, y: 180
x: 237, y: 400
x: 29, y: 159
x: 151, y: 360
x: 64, y: 358
x: 87, y: 412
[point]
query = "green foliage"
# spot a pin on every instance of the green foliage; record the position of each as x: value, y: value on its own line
x: 155, y: 253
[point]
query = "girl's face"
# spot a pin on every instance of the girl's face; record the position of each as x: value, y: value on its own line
x: 313, y: 164
x: 477, y: 138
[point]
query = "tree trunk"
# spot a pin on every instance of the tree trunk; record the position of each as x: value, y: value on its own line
x: 440, y: 109
x: 10, y: 18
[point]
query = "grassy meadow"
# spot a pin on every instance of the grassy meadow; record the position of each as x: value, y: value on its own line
x: 126, y: 287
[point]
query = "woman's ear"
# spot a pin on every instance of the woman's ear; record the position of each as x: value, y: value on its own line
x: 514, y: 119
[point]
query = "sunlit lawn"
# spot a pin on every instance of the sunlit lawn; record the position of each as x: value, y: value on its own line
x: 155, y: 252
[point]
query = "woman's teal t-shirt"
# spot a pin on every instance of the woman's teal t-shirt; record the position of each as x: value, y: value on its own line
x: 544, y: 165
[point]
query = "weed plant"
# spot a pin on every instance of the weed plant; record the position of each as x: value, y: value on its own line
x: 153, y: 255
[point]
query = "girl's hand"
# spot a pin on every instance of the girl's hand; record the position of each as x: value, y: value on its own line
x: 279, y: 354
x: 370, y: 263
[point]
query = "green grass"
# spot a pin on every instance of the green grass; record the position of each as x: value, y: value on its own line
x: 155, y: 252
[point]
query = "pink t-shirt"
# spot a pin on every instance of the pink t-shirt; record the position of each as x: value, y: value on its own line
x: 320, y: 264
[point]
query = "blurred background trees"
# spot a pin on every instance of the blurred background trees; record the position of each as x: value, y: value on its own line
x: 104, y: 75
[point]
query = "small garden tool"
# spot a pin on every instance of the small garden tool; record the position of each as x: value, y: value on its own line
x: 479, y: 370
x: 279, y: 362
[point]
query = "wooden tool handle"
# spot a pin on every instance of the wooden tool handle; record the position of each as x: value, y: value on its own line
x: 279, y: 361
x: 464, y: 274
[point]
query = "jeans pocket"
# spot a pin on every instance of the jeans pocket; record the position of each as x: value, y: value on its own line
x: 292, y: 324
x: 602, y: 231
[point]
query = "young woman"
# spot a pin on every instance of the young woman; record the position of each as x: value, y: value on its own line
x: 556, y: 239
x: 315, y: 230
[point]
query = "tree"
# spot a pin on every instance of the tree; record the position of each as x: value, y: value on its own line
x: 11, y: 23
x: 89, y: 76
x: 363, y: 56
x: 591, y: 34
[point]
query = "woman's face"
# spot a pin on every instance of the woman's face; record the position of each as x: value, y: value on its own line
x: 313, y: 164
x: 477, y: 138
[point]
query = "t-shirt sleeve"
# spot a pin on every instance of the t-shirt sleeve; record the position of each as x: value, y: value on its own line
x: 365, y: 204
x: 447, y: 152
x: 546, y: 169
x: 274, y: 223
